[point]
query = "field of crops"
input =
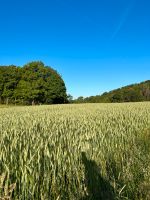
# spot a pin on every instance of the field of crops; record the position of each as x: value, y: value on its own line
x: 75, y: 152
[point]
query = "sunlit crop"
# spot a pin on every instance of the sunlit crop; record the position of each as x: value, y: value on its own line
x: 75, y: 152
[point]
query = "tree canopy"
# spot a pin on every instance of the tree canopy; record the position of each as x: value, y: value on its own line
x: 34, y: 83
x: 130, y: 93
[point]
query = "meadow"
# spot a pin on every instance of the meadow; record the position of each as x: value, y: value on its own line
x: 75, y: 152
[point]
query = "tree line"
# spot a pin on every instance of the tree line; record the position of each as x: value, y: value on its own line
x: 131, y: 93
x: 34, y: 83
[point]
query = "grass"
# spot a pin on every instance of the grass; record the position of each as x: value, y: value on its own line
x: 3, y: 106
x: 76, y: 152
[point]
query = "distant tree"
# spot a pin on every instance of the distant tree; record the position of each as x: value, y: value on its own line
x: 79, y: 100
x: 130, y: 93
x: 70, y: 98
x: 117, y: 97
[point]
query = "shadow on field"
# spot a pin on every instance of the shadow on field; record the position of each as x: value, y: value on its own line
x: 97, y: 187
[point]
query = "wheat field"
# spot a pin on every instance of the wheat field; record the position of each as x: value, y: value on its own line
x: 75, y: 152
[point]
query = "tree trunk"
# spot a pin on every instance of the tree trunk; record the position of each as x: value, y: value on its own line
x: 33, y: 103
x: 7, y: 101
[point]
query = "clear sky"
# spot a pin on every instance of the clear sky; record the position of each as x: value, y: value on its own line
x: 96, y: 45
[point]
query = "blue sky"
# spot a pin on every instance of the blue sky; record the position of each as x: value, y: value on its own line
x: 96, y: 45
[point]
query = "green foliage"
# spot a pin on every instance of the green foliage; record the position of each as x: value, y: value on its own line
x: 132, y: 93
x: 70, y: 98
x: 33, y: 83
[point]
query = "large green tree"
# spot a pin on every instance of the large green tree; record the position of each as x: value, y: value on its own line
x: 31, y: 84
x: 9, y: 78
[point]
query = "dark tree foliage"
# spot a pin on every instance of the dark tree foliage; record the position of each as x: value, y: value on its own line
x: 132, y: 93
x: 34, y: 83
